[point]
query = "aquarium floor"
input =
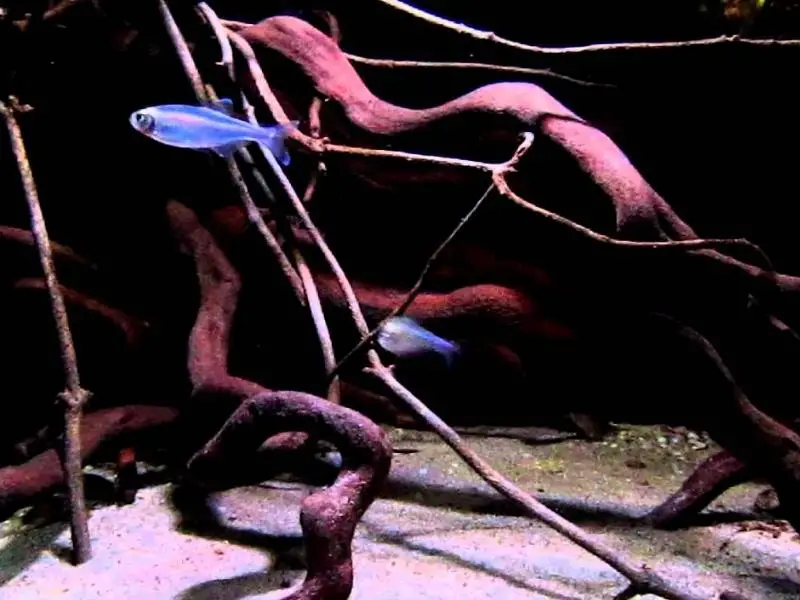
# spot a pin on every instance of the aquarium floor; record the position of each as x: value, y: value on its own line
x: 437, y: 532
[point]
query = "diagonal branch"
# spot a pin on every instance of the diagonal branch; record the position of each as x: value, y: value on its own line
x: 185, y: 56
x: 412, y: 293
x: 311, y: 295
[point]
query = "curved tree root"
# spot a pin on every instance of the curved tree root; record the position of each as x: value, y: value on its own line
x: 60, y: 251
x: 754, y: 438
x: 641, y: 214
x: 710, y: 479
x: 217, y: 392
x: 131, y: 328
x: 43, y: 474
x: 328, y: 517
x: 501, y: 311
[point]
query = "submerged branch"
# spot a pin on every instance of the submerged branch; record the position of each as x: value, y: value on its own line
x: 73, y: 396
x: 426, y: 64
x: 200, y: 91
x: 480, y: 34
x: 311, y: 295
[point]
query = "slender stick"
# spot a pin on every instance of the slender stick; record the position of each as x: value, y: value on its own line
x: 184, y: 54
x: 243, y: 46
x: 499, y: 178
x: 73, y: 396
x: 333, y: 262
x: 226, y: 52
x: 412, y: 293
x: 480, y: 34
x: 300, y: 278
x: 317, y: 314
x: 505, y: 167
x: 429, y: 64
x: 309, y: 286
x: 253, y: 213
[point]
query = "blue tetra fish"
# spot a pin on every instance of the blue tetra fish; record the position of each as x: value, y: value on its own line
x: 406, y: 338
x: 209, y: 128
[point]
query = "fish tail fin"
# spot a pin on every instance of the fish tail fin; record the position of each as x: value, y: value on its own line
x: 451, y: 352
x: 273, y: 138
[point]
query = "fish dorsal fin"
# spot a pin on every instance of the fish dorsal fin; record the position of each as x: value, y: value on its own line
x: 224, y: 105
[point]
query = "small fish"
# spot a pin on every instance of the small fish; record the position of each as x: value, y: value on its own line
x: 209, y: 128
x: 404, y: 337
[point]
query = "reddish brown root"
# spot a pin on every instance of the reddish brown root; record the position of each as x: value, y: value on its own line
x: 60, y: 251
x: 132, y: 328
x: 710, y: 479
x: 43, y: 474
x: 284, y: 419
x: 497, y: 112
x: 328, y: 517
x: 753, y: 437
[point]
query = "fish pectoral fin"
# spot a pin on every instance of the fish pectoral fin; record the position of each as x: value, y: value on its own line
x: 227, y: 150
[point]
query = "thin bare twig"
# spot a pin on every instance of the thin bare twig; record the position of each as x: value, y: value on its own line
x: 60, y: 8
x: 253, y: 213
x: 499, y: 178
x: 496, y: 169
x: 264, y: 90
x: 257, y: 218
x: 310, y: 290
x: 182, y: 49
x: 412, y: 293
x: 310, y: 287
x: 330, y: 258
x: 73, y: 396
x: 397, y: 64
x: 318, y: 316
x: 498, y: 175
x: 226, y: 52
x: 306, y: 292
x: 480, y: 34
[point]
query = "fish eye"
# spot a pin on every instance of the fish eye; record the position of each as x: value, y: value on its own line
x: 144, y: 122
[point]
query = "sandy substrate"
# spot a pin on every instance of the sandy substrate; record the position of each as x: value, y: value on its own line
x: 437, y: 532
